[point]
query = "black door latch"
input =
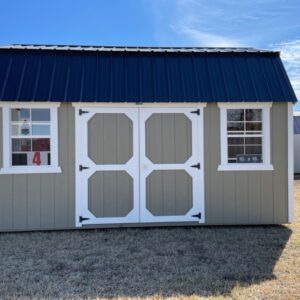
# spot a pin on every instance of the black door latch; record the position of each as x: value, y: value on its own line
x: 81, y: 112
x: 81, y: 167
x: 197, y: 216
x: 81, y: 219
x: 197, y: 112
x: 196, y: 166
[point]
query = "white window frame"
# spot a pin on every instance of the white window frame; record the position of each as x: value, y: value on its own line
x: 6, y: 136
x: 266, y: 143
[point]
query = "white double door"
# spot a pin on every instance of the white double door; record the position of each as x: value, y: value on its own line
x: 138, y: 165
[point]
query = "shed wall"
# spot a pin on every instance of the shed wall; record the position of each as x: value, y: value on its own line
x: 42, y: 201
x: 296, y: 153
x: 47, y: 201
x: 246, y: 197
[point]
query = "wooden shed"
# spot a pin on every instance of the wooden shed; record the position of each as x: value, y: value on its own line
x: 143, y: 136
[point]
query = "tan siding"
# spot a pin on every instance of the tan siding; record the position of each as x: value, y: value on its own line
x: 246, y: 197
x: 34, y: 201
x: 1, y: 140
x: 42, y: 201
x: 20, y: 202
x: 47, y: 201
x: 241, y: 194
x: 279, y: 146
x: 213, y: 179
x: 6, y: 202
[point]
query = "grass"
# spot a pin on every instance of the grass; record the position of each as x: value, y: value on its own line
x: 260, y: 262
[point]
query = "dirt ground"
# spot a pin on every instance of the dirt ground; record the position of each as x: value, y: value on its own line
x: 261, y: 262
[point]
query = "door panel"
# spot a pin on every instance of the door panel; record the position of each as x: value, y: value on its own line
x: 110, y: 194
x: 171, y: 190
x: 107, y: 148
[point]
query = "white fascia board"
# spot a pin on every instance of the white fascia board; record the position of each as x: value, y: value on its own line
x: 33, y: 104
x: 126, y: 104
x: 244, y: 104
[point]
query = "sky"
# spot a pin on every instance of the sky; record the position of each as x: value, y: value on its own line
x: 267, y: 24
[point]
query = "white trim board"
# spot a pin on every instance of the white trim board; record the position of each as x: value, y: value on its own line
x: 7, y: 167
x: 290, y: 124
x: 21, y: 104
x: 139, y: 105
x: 266, y: 144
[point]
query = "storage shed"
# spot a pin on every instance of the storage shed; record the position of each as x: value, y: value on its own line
x: 297, y: 142
x: 140, y: 136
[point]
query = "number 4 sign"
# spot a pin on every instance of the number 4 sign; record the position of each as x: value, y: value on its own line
x: 36, y: 160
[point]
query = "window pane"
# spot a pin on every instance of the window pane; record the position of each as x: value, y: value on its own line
x: 20, y: 114
x: 21, y: 145
x: 20, y: 129
x: 40, y: 114
x: 253, y: 115
x: 233, y: 151
x: 236, y: 126
x: 40, y: 144
x: 236, y: 141
x: 235, y: 114
x: 253, y: 149
x: 38, y: 158
x: 19, y: 159
x: 253, y: 140
x: 254, y: 126
x: 40, y: 129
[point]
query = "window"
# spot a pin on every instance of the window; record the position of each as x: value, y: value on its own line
x: 245, y: 137
x: 30, y: 139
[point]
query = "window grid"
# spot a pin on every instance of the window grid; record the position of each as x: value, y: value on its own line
x: 248, y: 131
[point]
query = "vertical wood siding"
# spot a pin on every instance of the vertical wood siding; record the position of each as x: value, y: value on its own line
x: 47, y: 201
x: 42, y: 201
x: 246, y: 197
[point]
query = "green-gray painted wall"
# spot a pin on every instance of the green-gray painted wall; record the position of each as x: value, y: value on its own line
x: 47, y: 201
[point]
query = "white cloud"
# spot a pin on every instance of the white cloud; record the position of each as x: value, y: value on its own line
x: 290, y: 55
x: 206, y: 39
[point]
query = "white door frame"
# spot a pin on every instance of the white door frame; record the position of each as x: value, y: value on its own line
x: 146, y: 166
x: 134, y: 165
x: 81, y: 158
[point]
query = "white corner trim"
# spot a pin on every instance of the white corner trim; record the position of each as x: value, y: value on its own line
x: 290, y: 122
x: 266, y: 143
x: 143, y: 105
x: 245, y: 104
x: 30, y: 170
x: 245, y: 167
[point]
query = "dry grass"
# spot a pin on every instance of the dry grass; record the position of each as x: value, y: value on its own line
x: 177, y: 263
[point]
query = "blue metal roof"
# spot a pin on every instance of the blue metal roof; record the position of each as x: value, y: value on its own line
x: 141, y: 74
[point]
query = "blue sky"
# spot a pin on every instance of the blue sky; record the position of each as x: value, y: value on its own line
x: 272, y: 24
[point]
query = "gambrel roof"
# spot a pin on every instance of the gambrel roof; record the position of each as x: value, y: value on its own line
x: 141, y: 74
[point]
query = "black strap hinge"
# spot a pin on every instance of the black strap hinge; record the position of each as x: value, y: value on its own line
x: 196, y: 166
x: 81, y: 219
x: 81, y: 167
x: 197, y: 216
x: 197, y: 112
x: 81, y: 112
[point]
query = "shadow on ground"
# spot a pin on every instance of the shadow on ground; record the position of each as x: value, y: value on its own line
x: 138, y: 262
